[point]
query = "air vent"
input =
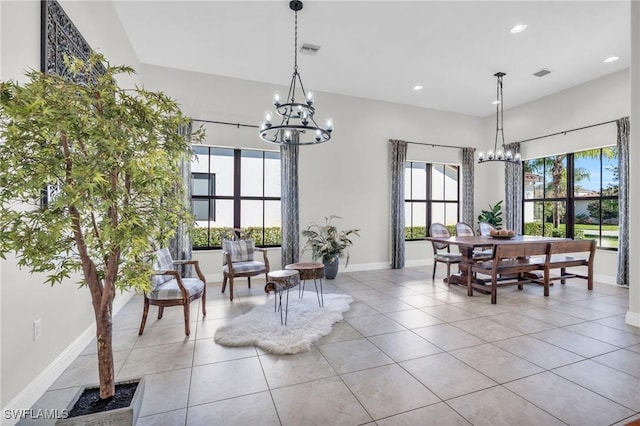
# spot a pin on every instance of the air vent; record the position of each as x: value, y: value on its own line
x: 542, y: 72
x: 309, y: 49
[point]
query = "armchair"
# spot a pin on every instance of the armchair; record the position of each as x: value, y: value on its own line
x: 169, y: 288
x: 238, y: 260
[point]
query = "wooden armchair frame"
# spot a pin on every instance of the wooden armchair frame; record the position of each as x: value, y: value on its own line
x: 184, y: 301
x: 231, y: 274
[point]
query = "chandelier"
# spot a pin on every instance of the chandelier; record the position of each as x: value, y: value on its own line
x: 501, y: 154
x: 298, y: 125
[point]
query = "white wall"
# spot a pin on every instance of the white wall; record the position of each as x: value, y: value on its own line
x: 350, y: 175
x: 65, y: 312
x: 633, y: 315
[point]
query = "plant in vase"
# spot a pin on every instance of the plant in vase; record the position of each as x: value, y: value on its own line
x: 493, y: 216
x: 113, y: 157
x: 326, y: 242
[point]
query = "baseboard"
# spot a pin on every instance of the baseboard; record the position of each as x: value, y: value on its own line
x: 632, y: 318
x: 38, y: 386
x: 365, y: 267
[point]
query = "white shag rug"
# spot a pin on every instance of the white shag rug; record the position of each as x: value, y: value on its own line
x: 307, y: 322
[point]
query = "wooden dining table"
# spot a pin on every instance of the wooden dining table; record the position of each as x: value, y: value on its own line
x: 467, y: 245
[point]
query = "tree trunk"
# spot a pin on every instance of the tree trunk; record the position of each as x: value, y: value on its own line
x: 104, y: 331
x: 557, y: 170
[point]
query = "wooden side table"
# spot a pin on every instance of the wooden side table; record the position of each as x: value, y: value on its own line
x: 310, y: 271
x: 278, y: 282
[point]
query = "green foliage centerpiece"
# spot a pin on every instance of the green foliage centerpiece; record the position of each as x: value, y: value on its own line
x: 327, y: 243
x: 114, y: 156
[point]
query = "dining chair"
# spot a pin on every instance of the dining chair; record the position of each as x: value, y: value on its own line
x: 441, y: 251
x: 465, y: 230
x: 486, y: 228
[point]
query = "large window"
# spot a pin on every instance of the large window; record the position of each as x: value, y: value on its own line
x: 431, y: 195
x: 573, y: 195
x: 235, y: 189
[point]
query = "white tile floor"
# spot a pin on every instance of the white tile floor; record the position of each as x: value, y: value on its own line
x: 409, y: 352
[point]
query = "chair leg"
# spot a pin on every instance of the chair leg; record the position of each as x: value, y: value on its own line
x: 204, y: 301
x: 563, y: 272
x: 145, y: 311
x: 433, y: 276
x: 224, y: 283
x: 249, y: 281
x: 160, y: 311
x: 231, y: 288
x: 186, y: 318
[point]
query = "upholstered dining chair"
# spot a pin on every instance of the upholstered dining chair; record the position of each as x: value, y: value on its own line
x: 486, y: 228
x: 238, y: 261
x: 441, y: 251
x: 465, y: 230
x: 169, y: 288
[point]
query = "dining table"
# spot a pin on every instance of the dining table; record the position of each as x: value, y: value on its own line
x: 467, y: 246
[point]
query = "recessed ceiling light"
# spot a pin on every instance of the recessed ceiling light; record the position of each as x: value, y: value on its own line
x: 611, y: 59
x: 417, y: 87
x: 518, y: 28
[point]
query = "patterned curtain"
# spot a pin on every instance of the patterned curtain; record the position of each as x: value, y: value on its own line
x: 623, y: 201
x: 180, y: 243
x: 468, y: 158
x: 513, y: 192
x: 289, y: 205
x: 398, y: 160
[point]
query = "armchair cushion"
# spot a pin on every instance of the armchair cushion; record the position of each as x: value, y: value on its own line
x: 162, y: 262
x: 240, y: 251
x: 251, y: 266
x: 170, y: 290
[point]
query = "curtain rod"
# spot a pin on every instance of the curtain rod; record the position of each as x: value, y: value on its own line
x: 433, y: 145
x: 567, y: 131
x: 238, y: 125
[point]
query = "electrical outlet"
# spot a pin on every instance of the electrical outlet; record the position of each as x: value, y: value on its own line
x: 37, y: 329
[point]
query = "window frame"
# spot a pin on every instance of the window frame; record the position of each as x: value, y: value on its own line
x: 429, y: 201
x: 237, y: 198
x: 570, y: 198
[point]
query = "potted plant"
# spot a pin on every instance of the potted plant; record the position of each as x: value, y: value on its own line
x: 328, y: 244
x: 493, y: 216
x: 112, y: 156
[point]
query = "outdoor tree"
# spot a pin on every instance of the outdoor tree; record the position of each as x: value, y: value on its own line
x: 113, y: 155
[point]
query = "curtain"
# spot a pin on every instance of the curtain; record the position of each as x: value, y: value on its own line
x: 468, y: 158
x: 623, y: 201
x: 180, y: 243
x: 512, y: 212
x: 290, y: 211
x: 398, y: 160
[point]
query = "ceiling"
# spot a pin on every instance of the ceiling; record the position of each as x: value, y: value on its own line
x: 382, y: 49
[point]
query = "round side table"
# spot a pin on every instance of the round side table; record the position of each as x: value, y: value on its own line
x: 309, y: 271
x: 278, y: 282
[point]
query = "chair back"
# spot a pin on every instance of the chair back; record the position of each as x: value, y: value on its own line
x: 162, y: 262
x: 486, y: 228
x: 440, y: 231
x: 574, y: 246
x: 240, y: 250
x: 464, y: 230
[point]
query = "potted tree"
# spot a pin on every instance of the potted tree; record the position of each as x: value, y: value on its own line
x: 112, y: 156
x: 328, y: 244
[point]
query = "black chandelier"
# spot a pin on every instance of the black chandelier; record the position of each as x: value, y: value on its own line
x: 501, y: 154
x: 298, y: 125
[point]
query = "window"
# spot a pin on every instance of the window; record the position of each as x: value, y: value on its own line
x: 235, y: 189
x: 431, y: 194
x: 573, y: 195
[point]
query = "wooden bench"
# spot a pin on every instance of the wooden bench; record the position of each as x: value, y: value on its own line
x: 512, y: 260
x: 559, y: 259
